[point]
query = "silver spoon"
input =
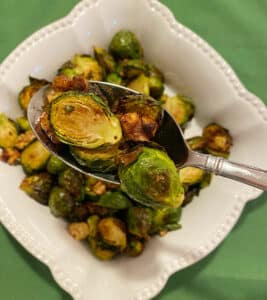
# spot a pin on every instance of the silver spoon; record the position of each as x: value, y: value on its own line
x: 169, y: 136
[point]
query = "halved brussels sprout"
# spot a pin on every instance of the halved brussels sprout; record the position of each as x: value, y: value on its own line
x: 8, y: 132
x: 191, y: 175
x: 112, y: 231
x: 131, y: 68
x: 125, y: 44
x: 165, y: 219
x: 197, y: 143
x: 115, y: 200
x: 101, y: 159
x: 105, y: 60
x: 101, y: 250
x: 139, y: 221
x: 135, y: 246
x: 140, y: 84
x: 92, y: 222
x: 180, y: 107
x: 156, y: 87
x: 23, y: 123
x: 28, y: 91
x: 152, y: 179
x: 34, y: 157
x: 139, y: 117
x: 219, y: 140
x: 60, y: 202
x: 38, y: 186
x: 72, y: 181
x: 24, y: 139
x: 83, y: 120
x: 87, y: 67
x: 55, y: 165
x: 114, y: 78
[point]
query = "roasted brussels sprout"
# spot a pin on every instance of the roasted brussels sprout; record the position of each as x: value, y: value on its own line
x: 79, y: 213
x: 114, y: 78
x: 23, y: 124
x: 152, y: 179
x: 55, y: 165
x: 135, y: 246
x: 79, y: 230
x: 101, y: 159
x: 139, y: 117
x: 92, y: 222
x: 191, y: 175
x: 153, y: 71
x: 24, y: 139
x: 140, y: 84
x: 34, y: 157
x: 38, y: 186
x: 28, y: 91
x: 139, y: 221
x: 165, y: 219
x: 8, y: 132
x: 180, y: 107
x: 72, y: 181
x: 105, y: 60
x: 197, y: 143
x: 60, y: 202
x: 131, y: 68
x: 112, y: 231
x: 101, y: 250
x: 125, y: 44
x: 115, y: 200
x: 10, y: 156
x: 218, y: 140
x: 87, y: 67
x: 156, y: 87
x: 83, y: 120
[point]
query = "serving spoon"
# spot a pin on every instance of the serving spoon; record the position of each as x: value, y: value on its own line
x: 169, y: 135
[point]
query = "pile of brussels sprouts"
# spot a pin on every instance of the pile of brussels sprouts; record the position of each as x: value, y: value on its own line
x: 109, y: 137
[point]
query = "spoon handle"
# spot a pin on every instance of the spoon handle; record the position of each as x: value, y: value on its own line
x: 247, y: 174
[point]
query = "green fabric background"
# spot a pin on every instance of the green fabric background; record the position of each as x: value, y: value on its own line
x: 237, y: 270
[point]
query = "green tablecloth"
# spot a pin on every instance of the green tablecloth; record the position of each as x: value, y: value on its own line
x: 237, y: 270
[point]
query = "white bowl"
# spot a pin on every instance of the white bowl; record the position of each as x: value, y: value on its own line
x: 191, y: 67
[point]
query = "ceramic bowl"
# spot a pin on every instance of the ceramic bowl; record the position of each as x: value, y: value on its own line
x: 191, y: 67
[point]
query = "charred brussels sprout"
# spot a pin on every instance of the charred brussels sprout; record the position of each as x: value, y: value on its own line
x: 131, y: 68
x: 180, y: 107
x: 191, y: 175
x: 8, y: 132
x: 218, y: 140
x: 112, y: 231
x: 105, y: 60
x: 197, y: 143
x: 23, y: 123
x: 140, y: 84
x: 38, y: 186
x: 115, y: 200
x: 139, y: 117
x: 55, y: 165
x: 114, y: 78
x: 139, y: 221
x: 28, y: 91
x: 152, y: 179
x: 24, y: 139
x: 83, y: 120
x: 60, y: 202
x: 165, y: 219
x: 34, y: 157
x: 135, y: 246
x: 72, y: 181
x: 125, y: 44
x: 101, y: 159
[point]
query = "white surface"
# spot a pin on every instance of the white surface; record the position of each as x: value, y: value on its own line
x: 191, y: 67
